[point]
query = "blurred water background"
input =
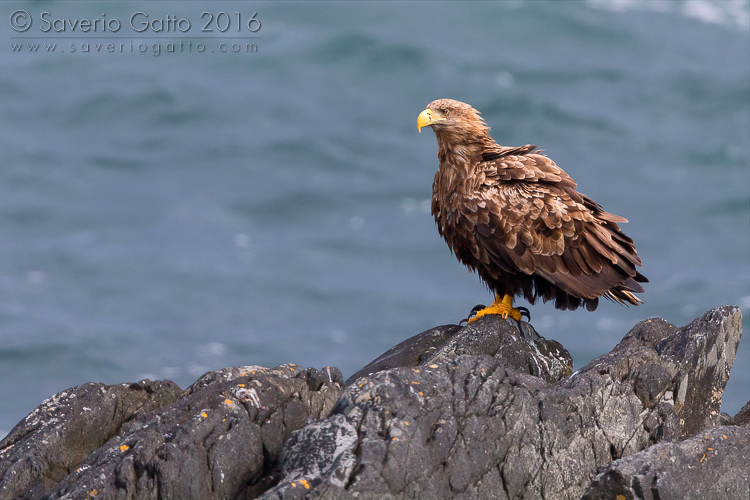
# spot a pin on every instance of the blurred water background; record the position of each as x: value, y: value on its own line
x: 164, y: 215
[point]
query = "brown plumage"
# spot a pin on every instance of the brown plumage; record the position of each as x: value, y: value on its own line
x: 515, y: 217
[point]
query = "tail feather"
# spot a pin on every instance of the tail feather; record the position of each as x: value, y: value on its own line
x: 623, y: 296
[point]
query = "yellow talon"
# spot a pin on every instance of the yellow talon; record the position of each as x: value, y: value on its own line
x: 503, y: 307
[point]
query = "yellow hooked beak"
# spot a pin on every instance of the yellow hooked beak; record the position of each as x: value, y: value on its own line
x: 427, y: 118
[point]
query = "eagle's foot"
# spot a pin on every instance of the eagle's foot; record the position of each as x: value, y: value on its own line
x: 525, y: 313
x: 474, y: 311
x: 504, y: 307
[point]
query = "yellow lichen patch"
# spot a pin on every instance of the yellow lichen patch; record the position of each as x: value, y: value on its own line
x: 294, y: 485
x: 240, y: 385
x: 433, y: 366
x: 124, y: 447
x: 723, y: 437
x: 711, y: 449
x: 204, y: 414
x: 93, y: 493
x: 394, y: 438
x: 621, y: 497
x: 705, y: 437
x: 414, y: 382
x: 420, y: 393
x: 303, y: 482
x: 228, y: 402
x: 703, y: 458
x: 406, y: 423
x: 416, y: 371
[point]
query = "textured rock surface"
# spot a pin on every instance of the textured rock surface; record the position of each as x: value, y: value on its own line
x: 410, y: 352
x: 474, y: 427
x: 481, y: 411
x: 220, y: 440
x: 713, y: 464
x: 60, y: 433
x: 516, y: 342
x: 743, y: 416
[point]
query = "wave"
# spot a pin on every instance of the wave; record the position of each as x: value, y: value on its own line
x: 731, y: 13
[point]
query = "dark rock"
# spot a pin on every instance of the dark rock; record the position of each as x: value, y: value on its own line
x: 703, y: 360
x: 60, y: 433
x: 516, y: 342
x: 713, y: 464
x: 481, y: 411
x: 743, y: 416
x: 410, y: 352
x: 220, y: 440
x: 473, y: 426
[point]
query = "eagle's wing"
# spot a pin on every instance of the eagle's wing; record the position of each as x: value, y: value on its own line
x: 529, y: 218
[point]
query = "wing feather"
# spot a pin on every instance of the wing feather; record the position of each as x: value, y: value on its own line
x: 537, y: 223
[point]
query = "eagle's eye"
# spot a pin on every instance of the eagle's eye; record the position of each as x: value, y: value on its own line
x: 444, y: 111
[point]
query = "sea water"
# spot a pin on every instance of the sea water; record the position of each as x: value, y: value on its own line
x: 170, y: 205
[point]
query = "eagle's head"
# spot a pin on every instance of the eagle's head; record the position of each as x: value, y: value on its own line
x: 449, y: 117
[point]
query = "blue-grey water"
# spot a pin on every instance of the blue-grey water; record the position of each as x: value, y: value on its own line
x: 165, y: 215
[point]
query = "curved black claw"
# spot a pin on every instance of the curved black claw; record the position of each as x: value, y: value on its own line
x: 524, y: 312
x: 474, y: 311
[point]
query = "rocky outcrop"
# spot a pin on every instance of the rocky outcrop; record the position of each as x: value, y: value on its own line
x: 712, y: 464
x: 476, y: 427
x: 516, y: 342
x: 220, y: 439
x: 59, y: 434
x: 487, y: 410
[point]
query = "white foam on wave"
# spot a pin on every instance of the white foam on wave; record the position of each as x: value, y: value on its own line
x: 208, y: 357
x: 626, y: 5
x: 721, y: 12
x: 212, y: 349
x: 411, y: 206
